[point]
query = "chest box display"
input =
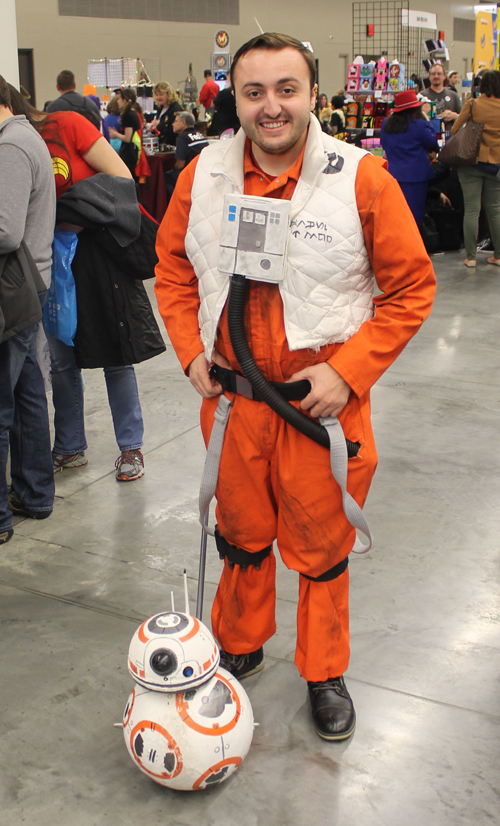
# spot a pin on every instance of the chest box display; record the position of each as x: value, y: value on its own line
x: 254, y: 237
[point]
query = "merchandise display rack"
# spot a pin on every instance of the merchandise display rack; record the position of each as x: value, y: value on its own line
x: 417, y: 50
x: 389, y: 37
x: 122, y: 71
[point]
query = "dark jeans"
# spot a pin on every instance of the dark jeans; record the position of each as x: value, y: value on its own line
x: 24, y: 417
x: 67, y: 395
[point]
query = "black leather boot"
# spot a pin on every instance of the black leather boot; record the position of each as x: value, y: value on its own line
x: 332, y: 709
x: 242, y: 665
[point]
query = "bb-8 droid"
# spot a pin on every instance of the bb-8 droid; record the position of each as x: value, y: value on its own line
x: 188, y: 724
x: 189, y: 739
x: 172, y: 652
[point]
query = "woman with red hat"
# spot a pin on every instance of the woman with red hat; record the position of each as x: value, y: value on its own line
x: 407, y: 138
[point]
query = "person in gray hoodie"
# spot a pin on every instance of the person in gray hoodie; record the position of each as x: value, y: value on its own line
x: 27, y: 213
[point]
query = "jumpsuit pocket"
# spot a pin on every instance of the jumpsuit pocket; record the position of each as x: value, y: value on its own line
x: 352, y: 421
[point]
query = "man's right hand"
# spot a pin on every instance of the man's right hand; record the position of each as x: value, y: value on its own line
x: 200, y: 378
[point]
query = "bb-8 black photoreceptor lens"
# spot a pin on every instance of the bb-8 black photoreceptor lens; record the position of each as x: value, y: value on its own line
x: 164, y: 662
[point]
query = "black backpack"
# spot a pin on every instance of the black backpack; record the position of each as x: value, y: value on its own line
x: 430, y: 235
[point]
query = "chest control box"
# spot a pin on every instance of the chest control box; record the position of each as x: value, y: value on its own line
x: 254, y: 237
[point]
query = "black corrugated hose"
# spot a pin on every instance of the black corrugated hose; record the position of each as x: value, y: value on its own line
x: 272, y: 397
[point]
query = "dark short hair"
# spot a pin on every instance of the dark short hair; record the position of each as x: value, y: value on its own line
x: 65, y: 80
x: 4, y: 93
x: 277, y: 42
x: 490, y: 84
x: 207, y: 73
x: 337, y: 101
x: 399, y: 121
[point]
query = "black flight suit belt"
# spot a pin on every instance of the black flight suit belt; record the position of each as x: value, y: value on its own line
x: 233, y: 382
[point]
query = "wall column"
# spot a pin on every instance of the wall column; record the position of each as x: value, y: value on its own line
x: 9, y: 65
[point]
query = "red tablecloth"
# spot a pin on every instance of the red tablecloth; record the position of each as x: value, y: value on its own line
x: 152, y: 192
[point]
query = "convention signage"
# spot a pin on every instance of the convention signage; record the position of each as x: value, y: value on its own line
x: 485, y: 47
x: 419, y: 19
x: 222, y: 41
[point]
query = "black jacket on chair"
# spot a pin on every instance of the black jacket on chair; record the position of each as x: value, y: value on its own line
x: 115, y: 253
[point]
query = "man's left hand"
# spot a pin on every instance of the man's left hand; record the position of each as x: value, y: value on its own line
x: 449, y: 115
x: 329, y: 392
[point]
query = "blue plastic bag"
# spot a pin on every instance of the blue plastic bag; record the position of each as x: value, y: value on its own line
x: 59, y: 310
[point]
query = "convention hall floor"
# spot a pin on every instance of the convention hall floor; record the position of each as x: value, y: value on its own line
x: 425, y: 610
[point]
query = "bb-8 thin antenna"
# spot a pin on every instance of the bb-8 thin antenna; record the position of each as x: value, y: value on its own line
x: 186, y: 594
x: 172, y: 601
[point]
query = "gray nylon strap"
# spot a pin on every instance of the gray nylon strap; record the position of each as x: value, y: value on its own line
x: 338, y: 461
x: 212, y: 461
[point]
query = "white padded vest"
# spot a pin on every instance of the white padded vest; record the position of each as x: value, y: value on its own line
x: 327, y: 290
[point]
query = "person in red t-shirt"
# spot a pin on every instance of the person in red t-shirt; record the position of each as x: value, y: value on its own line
x: 78, y: 151
x: 209, y: 90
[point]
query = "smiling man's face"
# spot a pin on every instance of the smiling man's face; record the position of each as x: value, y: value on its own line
x: 274, y: 98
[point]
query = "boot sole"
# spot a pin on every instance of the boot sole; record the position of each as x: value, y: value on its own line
x: 344, y: 735
x: 255, y: 670
x: 30, y: 514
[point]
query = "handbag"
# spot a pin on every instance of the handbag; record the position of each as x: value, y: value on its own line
x: 21, y: 291
x: 462, y: 149
x: 59, y: 311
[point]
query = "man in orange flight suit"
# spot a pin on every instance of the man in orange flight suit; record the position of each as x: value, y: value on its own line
x: 274, y: 482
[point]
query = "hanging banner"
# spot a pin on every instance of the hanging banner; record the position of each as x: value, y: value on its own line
x: 485, y: 48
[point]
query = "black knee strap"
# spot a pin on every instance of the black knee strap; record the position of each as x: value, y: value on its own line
x: 333, y: 573
x: 237, y: 556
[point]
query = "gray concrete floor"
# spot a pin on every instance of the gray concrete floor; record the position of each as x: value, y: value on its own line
x: 425, y: 611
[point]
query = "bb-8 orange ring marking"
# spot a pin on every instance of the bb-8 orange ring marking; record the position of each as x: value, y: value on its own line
x: 125, y: 722
x: 235, y: 761
x: 141, y: 634
x: 171, y: 744
x: 192, y: 633
x: 182, y: 707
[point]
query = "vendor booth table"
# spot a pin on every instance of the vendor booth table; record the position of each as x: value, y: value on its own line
x: 152, y: 191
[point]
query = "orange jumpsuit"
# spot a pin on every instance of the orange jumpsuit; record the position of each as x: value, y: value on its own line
x: 274, y: 482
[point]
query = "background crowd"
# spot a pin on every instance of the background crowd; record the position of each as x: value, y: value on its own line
x: 98, y: 159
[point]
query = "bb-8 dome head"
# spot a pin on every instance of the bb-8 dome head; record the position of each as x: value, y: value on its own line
x: 192, y: 739
x: 172, y: 652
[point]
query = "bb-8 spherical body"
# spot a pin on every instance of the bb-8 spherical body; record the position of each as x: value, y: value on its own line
x: 172, y: 651
x: 189, y: 739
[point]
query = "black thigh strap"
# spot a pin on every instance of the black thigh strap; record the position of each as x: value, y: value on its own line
x: 237, y: 556
x: 333, y: 573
